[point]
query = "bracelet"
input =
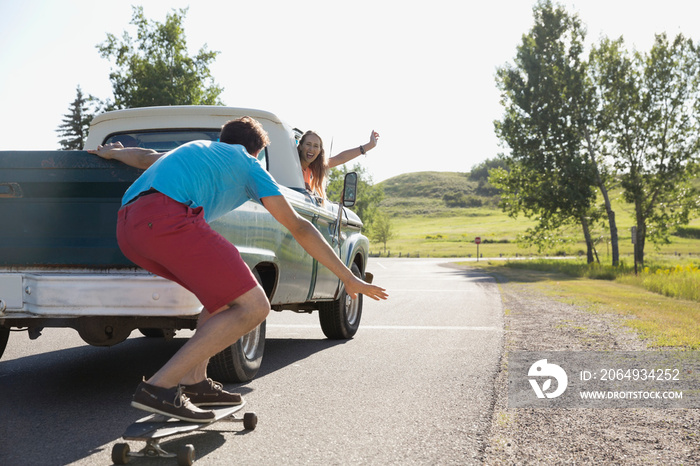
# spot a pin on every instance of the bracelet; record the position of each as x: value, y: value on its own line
x: 362, y: 150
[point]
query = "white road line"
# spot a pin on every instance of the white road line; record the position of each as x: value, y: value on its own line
x: 461, y: 290
x: 396, y: 327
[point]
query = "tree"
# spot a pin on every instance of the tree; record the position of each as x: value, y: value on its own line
x: 382, y: 230
x: 595, y: 119
x: 369, y: 196
x: 76, y: 122
x: 480, y: 174
x: 156, y: 69
x: 543, y: 96
x: 651, y: 104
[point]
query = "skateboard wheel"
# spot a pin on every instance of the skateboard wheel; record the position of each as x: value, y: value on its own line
x: 185, y: 456
x: 120, y: 453
x: 250, y: 420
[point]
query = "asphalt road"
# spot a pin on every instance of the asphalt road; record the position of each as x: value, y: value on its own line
x: 414, y: 386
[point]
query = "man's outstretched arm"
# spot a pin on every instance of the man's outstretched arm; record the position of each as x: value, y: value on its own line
x: 134, y: 156
x: 313, y: 242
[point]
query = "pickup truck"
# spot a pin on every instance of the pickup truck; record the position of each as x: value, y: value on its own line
x: 60, y: 265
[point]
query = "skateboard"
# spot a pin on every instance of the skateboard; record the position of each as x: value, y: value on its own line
x: 152, y: 429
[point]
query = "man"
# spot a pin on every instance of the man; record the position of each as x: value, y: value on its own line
x: 163, y: 226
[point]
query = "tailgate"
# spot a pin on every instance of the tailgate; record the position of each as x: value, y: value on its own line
x: 60, y: 208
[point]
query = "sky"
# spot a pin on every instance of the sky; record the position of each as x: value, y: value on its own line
x: 420, y: 73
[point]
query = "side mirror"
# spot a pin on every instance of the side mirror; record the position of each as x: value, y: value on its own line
x: 350, y: 189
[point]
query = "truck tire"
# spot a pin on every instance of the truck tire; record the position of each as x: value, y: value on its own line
x: 167, y: 333
x: 340, y: 319
x: 4, y: 336
x: 241, y: 361
x: 152, y: 332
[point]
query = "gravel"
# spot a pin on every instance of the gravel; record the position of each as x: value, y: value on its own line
x: 640, y: 436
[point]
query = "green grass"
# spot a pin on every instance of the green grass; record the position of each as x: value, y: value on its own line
x: 452, y: 234
x: 446, y: 232
x: 424, y: 225
x: 681, y: 281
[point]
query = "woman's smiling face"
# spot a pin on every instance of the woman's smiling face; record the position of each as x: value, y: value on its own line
x: 309, y: 149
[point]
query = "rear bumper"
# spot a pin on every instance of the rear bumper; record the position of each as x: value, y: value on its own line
x: 55, y: 294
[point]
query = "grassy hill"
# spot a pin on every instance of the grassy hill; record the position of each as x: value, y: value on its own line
x: 427, y: 184
x: 424, y: 193
x: 425, y: 224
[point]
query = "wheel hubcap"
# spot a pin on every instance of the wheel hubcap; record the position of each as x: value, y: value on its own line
x: 249, y: 343
x: 352, y: 307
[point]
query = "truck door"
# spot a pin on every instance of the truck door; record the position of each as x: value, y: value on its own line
x: 326, y: 281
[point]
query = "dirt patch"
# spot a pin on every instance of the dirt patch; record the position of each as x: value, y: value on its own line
x: 535, y: 322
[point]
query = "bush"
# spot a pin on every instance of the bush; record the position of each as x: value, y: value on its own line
x: 688, y: 232
x: 461, y: 200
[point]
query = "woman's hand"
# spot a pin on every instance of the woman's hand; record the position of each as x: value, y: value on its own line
x: 373, y: 137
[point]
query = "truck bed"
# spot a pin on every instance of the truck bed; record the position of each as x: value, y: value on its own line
x: 59, y: 208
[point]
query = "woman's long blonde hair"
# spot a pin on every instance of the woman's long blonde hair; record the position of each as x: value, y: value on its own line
x: 319, y: 167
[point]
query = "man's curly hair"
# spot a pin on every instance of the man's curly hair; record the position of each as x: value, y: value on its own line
x: 245, y: 131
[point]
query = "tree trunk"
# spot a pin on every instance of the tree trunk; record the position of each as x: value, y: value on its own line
x: 641, y: 240
x: 614, y: 243
x: 640, y: 216
x: 589, y: 242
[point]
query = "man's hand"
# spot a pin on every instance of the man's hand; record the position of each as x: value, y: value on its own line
x: 355, y: 286
x: 311, y: 240
x: 138, y: 157
x: 106, y: 151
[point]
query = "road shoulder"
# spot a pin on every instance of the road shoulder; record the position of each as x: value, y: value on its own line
x: 535, y: 322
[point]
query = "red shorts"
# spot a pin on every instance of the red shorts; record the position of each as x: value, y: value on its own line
x: 174, y: 241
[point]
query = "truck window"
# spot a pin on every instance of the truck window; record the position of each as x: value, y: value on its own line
x: 164, y: 141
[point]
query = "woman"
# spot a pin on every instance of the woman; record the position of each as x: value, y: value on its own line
x: 314, y: 165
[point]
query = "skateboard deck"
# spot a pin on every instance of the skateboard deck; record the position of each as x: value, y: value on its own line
x: 151, y: 429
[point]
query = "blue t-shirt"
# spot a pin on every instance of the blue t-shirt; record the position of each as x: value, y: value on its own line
x: 216, y: 176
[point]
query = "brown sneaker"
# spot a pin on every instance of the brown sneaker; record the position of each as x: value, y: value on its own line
x: 169, y: 402
x: 210, y: 393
